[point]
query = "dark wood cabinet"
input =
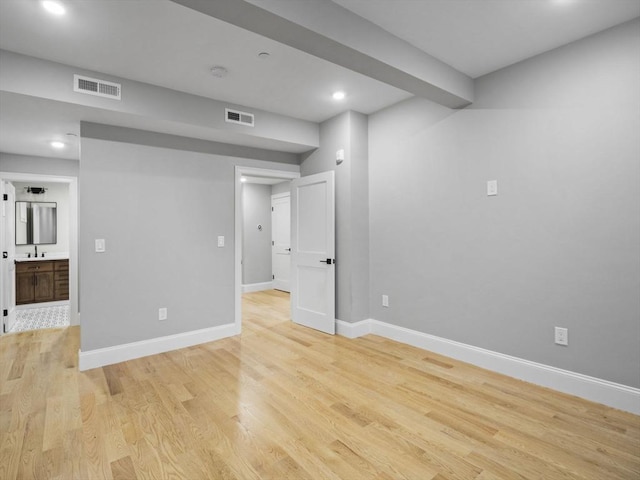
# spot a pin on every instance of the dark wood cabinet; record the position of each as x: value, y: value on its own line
x: 42, y: 281
x: 61, y: 279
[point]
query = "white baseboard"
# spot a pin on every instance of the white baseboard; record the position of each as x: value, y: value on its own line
x: 257, y: 287
x: 129, y: 351
x: 597, y: 390
x: 353, y: 330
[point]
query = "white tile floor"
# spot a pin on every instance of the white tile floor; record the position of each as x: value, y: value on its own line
x: 46, y: 317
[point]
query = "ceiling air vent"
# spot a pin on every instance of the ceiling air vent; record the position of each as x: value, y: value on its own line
x: 93, y: 86
x: 241, y: 118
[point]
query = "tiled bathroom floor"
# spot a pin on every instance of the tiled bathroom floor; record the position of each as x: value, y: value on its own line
x: 46, y: 317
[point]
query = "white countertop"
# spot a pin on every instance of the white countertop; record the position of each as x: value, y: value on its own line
x: 47, y: 256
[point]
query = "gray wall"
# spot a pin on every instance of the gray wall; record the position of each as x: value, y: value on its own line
x: 559, y: 245
x: 38, y: 165
x: 347, y: 131
x: 256, y: 244
x: 359, y: 221
x: 283, y: 187
x: 160, y: 211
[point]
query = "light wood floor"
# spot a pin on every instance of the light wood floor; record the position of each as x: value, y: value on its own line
x: 286, y: 402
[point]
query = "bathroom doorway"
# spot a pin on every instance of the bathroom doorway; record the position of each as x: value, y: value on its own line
x: 61, y: 255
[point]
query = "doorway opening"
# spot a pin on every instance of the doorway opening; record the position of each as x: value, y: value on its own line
x: 67, y: 187
x: 255, y: 244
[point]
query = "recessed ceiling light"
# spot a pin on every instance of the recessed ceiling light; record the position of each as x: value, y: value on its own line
x: 56, y: 144
x: 243, y: 179
x: 219, y: 71
x: 338, y: 95
x: 55, y: 8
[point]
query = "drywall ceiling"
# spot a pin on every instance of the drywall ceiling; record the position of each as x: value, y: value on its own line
x: 163, y: 43
x: 264, y: 180
x: 477, y: 37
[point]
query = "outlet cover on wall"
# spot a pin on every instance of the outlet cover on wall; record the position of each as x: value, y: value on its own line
x: 562, y: 336
x: 162, y: 313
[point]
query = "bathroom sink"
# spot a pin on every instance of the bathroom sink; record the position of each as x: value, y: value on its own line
x: 50, y: 256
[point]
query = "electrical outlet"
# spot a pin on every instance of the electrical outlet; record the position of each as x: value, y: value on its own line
x: 562, y: 336
x: 385, y: 300
x: 162, y: 314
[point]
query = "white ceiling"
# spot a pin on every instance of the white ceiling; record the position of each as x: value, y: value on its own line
x: 264, y: 180
x: 163, y: 43
x: 477, y: 37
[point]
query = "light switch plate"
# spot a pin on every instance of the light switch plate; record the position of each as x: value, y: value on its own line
x: 492, y: 187
x: 101, y: 245
x: 221, y: 241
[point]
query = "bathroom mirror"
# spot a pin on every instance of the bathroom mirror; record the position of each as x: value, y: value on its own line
x: 36, y: 223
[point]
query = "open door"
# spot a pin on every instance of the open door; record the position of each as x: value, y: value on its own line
x: 313, y: 252
x: 8, y: 256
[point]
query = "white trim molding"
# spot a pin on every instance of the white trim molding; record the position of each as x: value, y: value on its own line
x: 353, y: 330
x: 129, y: 351
x: 590, y: 388
x: 256, y: 287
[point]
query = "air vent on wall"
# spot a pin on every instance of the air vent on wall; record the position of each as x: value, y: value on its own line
x: 241, y: 118
x: 93, y: 86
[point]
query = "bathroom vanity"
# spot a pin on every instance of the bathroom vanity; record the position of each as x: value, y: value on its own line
x: 41, y: 280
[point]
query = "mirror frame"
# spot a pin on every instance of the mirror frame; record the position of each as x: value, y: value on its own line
x: 17, y: 220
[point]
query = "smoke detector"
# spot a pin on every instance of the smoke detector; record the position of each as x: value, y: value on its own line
x: 219, y: 71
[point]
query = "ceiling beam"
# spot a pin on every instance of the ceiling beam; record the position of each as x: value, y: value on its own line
x: 149, y: 107
x: 333, y: 33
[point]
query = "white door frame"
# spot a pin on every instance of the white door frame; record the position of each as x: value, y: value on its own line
x: 74, y: 316
x: 8, y: 243
x: 256, y: 172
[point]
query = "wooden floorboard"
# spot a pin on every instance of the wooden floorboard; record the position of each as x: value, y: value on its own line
x: 285, y: 402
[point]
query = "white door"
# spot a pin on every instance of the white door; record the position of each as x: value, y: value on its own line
x: 313, y: 252
x: 281, y: 240
x: 8, y: 264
